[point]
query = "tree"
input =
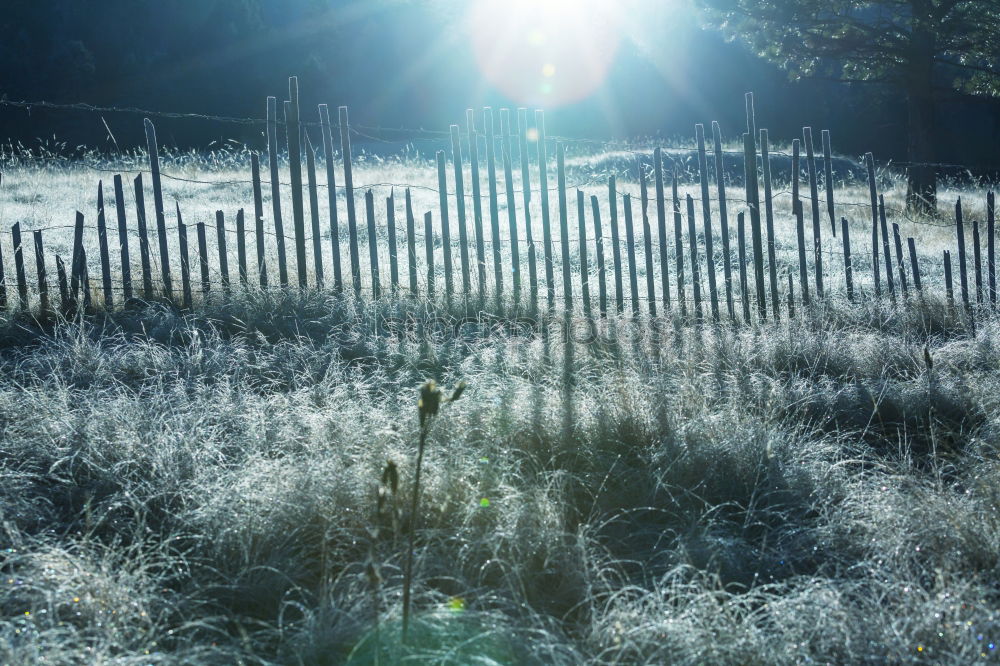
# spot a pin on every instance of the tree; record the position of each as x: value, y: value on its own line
x: 922, y: 47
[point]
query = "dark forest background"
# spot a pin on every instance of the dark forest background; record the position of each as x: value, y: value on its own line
x: 225, y: 56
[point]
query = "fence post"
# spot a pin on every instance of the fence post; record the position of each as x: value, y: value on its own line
x: 807, y: 139
x: 991, y: 267
x: 515, y: 255
x: 962, y: 273
x: 445, y: 223
x: 848, y: 267
x: 203, y: 262
x: 185, y: 260
x: 314, y: 212
x: 678, y: 244
x: 390, y: 219
x: 105, y: 254
x: 43, y: 285
x: 161, y: 221
x: 147, y: 271
x: 331, y: 190
x: 647, y: 239
x: 373, y: 244
x: 741, y: 238
x: 564, y: 226
x: 22, y: 281
x: 272, y: 155
x: 751, y: 118
x: 293, y: 139
x: 241, y: 249
x: 633, y: 279
x: 77, y: 262
x: 886, y: 252
x: 584, y: 269
x: 899, y: 260
x: 753, y: 202
x: 914, y: 266
x: 706, y: 213
x: 949, y: 289
x: 602, y: 285
x: 477, y: 202
x: 463, y: 229
x: 720, y: 183
x: 86, y: 281
x: 543, y: 178
x: 352, y: 216
x: 522, y: 135
x: 977, y: 258
x: 411, y: 244
x: 791, y: 296
x: 772, y: 268
x: 220, y: 229
x: 873, y: 195
x: 800, y: 233
x: 491, y: 173
x: 429, y: 242
x: 828, y: 175
x: 661, y: 227
x: 616, y: 246
x: 123, y: 238
x: 693, y: 237
x: 258, y: 213
x: 63, y: 284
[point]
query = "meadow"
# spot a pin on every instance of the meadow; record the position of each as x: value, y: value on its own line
x: 203, y: 486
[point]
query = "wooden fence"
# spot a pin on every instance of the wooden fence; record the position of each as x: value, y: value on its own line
x: 610, y: 258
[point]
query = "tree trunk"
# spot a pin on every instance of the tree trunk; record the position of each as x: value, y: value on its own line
x: 921, y: 191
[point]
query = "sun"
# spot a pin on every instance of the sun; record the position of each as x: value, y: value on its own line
x: 545, y: 52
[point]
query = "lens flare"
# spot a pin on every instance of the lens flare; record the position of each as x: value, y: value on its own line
x: 544, y: 52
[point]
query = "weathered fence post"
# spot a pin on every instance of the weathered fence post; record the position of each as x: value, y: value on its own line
x: 914, y: 265
x: 123, y: 238
x: 491, y: 174
x: 949, y: 289
x: 564, y: 226
x: 991, y: 267
x: 791, y: 296
x: 633, y: 278
x: 258, y: 213
x: 293, y: 139
x: 602, y: 285
x: 161, y: 222
x: 828, y: 176
x: 77, y: 262
x: 331, y: 188
x: 63, y: 284
x: 43, y: 284
x: 550, y: 285
x: 886, y: 252
x: 751, y: 117
x: 647, y: 237
x: 241, y: 250
x: 661, y: 227
x: 220, y: 229
x: 772, y: 268
x: 147, y: 271
x: 411, y: 244
x: 616, y: 247
x: 182, y: 239
x: 963, y: 276
x: 582, y: 239
x: 848, y: 267
x: 800, y: 233
x: 22, y: 281
x: 706, y: 213
x: 373, y: 244
x: 678, y: 244
x: 463, y: 229
x: 977, y: 257
x: 873, y: 195
x: 429, y: 243
x: 352, y: 215
x: 449, y: 285
x: 508, y: 165
x: 102, y: 243
x: 741, y: 241
x: 390, y: 220
x: 314, y: 212
x: 693, y: 238
x: 206, y: 282
x: 272, y: 154
x: 720, y: 184
x: 477, y: 202
x: 899, y: 259
x: 522, y: 135
x: 807, y: 139
x: 753, y: 202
